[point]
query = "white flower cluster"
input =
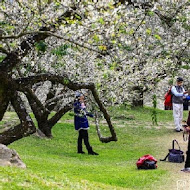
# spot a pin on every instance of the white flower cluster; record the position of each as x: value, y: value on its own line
x: 124, y: 49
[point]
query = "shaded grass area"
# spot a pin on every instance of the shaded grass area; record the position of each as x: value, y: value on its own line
x: 143, y: 113
x: 54, y: 164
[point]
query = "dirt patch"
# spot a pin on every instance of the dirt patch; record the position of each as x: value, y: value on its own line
x: 176, y: 176
x: 67, y: 121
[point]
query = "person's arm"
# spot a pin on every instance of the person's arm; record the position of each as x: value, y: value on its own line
x: 89, y: 114
x: 185, y: 93
x: 174, y: 91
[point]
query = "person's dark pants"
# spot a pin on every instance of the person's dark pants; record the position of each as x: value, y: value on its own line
x: 83, y: 135
x: 168, y: 107
x: 187, y: 162
x: 185, y: 104
x: 188, y: 119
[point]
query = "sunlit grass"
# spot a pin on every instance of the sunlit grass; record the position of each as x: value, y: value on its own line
x: 54, y: 164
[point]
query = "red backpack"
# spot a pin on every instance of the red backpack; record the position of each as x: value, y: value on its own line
x: 146, y: 162
x: 168, y: 98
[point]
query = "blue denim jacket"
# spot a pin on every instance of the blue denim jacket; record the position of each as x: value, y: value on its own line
x: 80, y: 118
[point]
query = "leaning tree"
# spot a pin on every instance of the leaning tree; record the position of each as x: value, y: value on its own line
x: 25, y: 40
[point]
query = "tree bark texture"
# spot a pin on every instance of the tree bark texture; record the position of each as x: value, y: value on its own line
x: 138, y: 98
x: 41, y: 112
x: 4, y: 94
x: 26, y: 126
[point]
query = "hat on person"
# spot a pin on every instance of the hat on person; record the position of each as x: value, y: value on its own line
x: 78, y: 94
x: 179, y: 79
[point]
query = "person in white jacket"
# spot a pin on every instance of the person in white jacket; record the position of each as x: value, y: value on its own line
x: 177, y: 102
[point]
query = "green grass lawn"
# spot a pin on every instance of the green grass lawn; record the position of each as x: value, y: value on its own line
x: 54, y: 164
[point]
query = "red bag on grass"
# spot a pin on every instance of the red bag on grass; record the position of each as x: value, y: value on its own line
x: 146, y: 162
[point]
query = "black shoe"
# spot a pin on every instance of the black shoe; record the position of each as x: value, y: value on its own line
x: 178, y: 130
x: 95, y: 153
x: 91, y: 152
x: 181, y: 129
x: 186, y: 170
x: 81, y: 152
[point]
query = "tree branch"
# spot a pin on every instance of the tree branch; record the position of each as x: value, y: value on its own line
x: 48, y: 33
x: 15, y: 57
x: 169, y: 19
x: 3, y: 50
x: 59, y: 114
x: 31, y: 95
x: 51, y: 103
x: 64, y: 80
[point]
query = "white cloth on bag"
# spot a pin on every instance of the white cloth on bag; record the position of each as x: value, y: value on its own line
x: 178, y: 115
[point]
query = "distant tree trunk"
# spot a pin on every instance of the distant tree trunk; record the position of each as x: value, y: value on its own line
x: 138, y: 98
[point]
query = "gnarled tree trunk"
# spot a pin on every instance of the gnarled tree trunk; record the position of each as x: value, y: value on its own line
x: 64, y: 80
x: 26, y: 126
x: 4, y: 94
x: 41, y: 112
x: 8, y: 94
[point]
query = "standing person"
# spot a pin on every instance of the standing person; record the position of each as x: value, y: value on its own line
x: 187, y: 162
x: 81, y: 124
x: 185, y: 104
x: 177, y: 103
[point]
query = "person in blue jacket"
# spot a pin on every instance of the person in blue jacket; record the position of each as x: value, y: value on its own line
x: 81, y: 124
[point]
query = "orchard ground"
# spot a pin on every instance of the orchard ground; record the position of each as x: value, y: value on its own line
x: 54, y: 164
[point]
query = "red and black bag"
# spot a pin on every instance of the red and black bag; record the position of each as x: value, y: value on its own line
x: 146, y: 162
x: 168, y: 99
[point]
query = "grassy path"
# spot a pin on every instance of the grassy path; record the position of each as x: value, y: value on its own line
x: 54, y: 164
